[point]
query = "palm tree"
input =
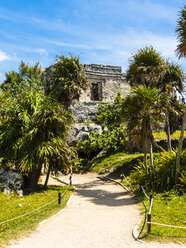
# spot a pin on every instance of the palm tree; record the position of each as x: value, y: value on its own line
x: 181, y: 52
x: 27, y: 77
x: 33, y: 130
x: 65, y: 79
x: 146, y: 68
x: 141, y: 113
x: 181, y: 34
x: 170, y: 83
x: 33, y: 126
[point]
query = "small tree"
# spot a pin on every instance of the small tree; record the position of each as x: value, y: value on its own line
x: 26, y: 78
x: 33, y: 131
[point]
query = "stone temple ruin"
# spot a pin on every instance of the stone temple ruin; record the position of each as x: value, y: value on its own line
x: 105, y: 82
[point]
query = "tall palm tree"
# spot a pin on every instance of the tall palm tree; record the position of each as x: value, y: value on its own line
x: 181, y: 34
x: 181, y: 52
x: 170, y: 83
x: 141, y: 113
x: 146, y: 68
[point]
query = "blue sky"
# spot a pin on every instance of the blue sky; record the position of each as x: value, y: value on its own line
x: 99, y: 31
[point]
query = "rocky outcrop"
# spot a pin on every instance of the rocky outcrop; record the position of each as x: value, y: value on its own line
x: 84, y: 111
x: 81, y: 132
x: 11, y: 180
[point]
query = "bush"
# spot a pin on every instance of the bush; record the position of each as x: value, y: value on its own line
x: 109, y: 141
x: 163, y: 177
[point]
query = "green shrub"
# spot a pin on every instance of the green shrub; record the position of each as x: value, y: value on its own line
x: 163, y: 177
x: 109, y: 141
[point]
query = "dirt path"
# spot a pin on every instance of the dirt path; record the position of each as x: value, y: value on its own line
x: 100, y: 215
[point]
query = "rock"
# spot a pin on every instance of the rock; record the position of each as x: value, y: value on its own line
x: 82, y: 136
x: 81, y: 132
x: 19, y: 192
x: 11, y: 180
x: 84, y: 111
x: 6, y: 191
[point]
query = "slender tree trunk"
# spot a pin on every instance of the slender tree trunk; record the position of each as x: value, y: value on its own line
x: 178, y: 155
x: 145, y: 162
x: 47, y: 176
x: 169, y: 147
x: 151, y: 157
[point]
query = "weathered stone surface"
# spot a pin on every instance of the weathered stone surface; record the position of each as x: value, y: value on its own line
x: 111, y: 79
x: 81, y: 132
x: 11, y: 180
x: 84, y: 111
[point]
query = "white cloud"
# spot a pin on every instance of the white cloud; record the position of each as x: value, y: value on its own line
x: 65, y: 44
x: 4, y: 56
x: 41, y: 51
x: 118, y: 49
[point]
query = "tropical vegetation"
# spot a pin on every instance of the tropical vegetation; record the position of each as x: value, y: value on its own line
x: 65, y: 80
x: 33, y: 124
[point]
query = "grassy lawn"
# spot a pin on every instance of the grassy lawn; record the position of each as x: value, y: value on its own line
x: 162, y: 135
x: 12, y: 206
x: 171, y: 210
x: 113, y: 163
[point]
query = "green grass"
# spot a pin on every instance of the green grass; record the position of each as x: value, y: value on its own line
x: 9, y: 209
x: 162, y: 135
x: 113, y: 163
x: 168, y: 209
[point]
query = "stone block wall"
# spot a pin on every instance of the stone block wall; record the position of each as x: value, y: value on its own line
x: 111, y: 78
x: 108, y: 80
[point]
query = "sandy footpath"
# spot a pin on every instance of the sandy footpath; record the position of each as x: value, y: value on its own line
x: 99, y: 215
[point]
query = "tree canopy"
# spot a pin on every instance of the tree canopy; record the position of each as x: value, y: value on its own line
x: 146, y: 68
x: 65, y: 79
x: 33, y: 126
x: 181, y: 33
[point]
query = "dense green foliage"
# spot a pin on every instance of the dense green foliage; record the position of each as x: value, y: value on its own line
x: 65, y: 79
x: 146, y: 68
x: 172, y: 79
x: 27, y: 78
x: 181, y: 34
x: 109, y: 115
x: 114, y: 135
x: 32, y: 132
x: 163, y: 176
x: 33, y: 126
x: 108, y: 141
